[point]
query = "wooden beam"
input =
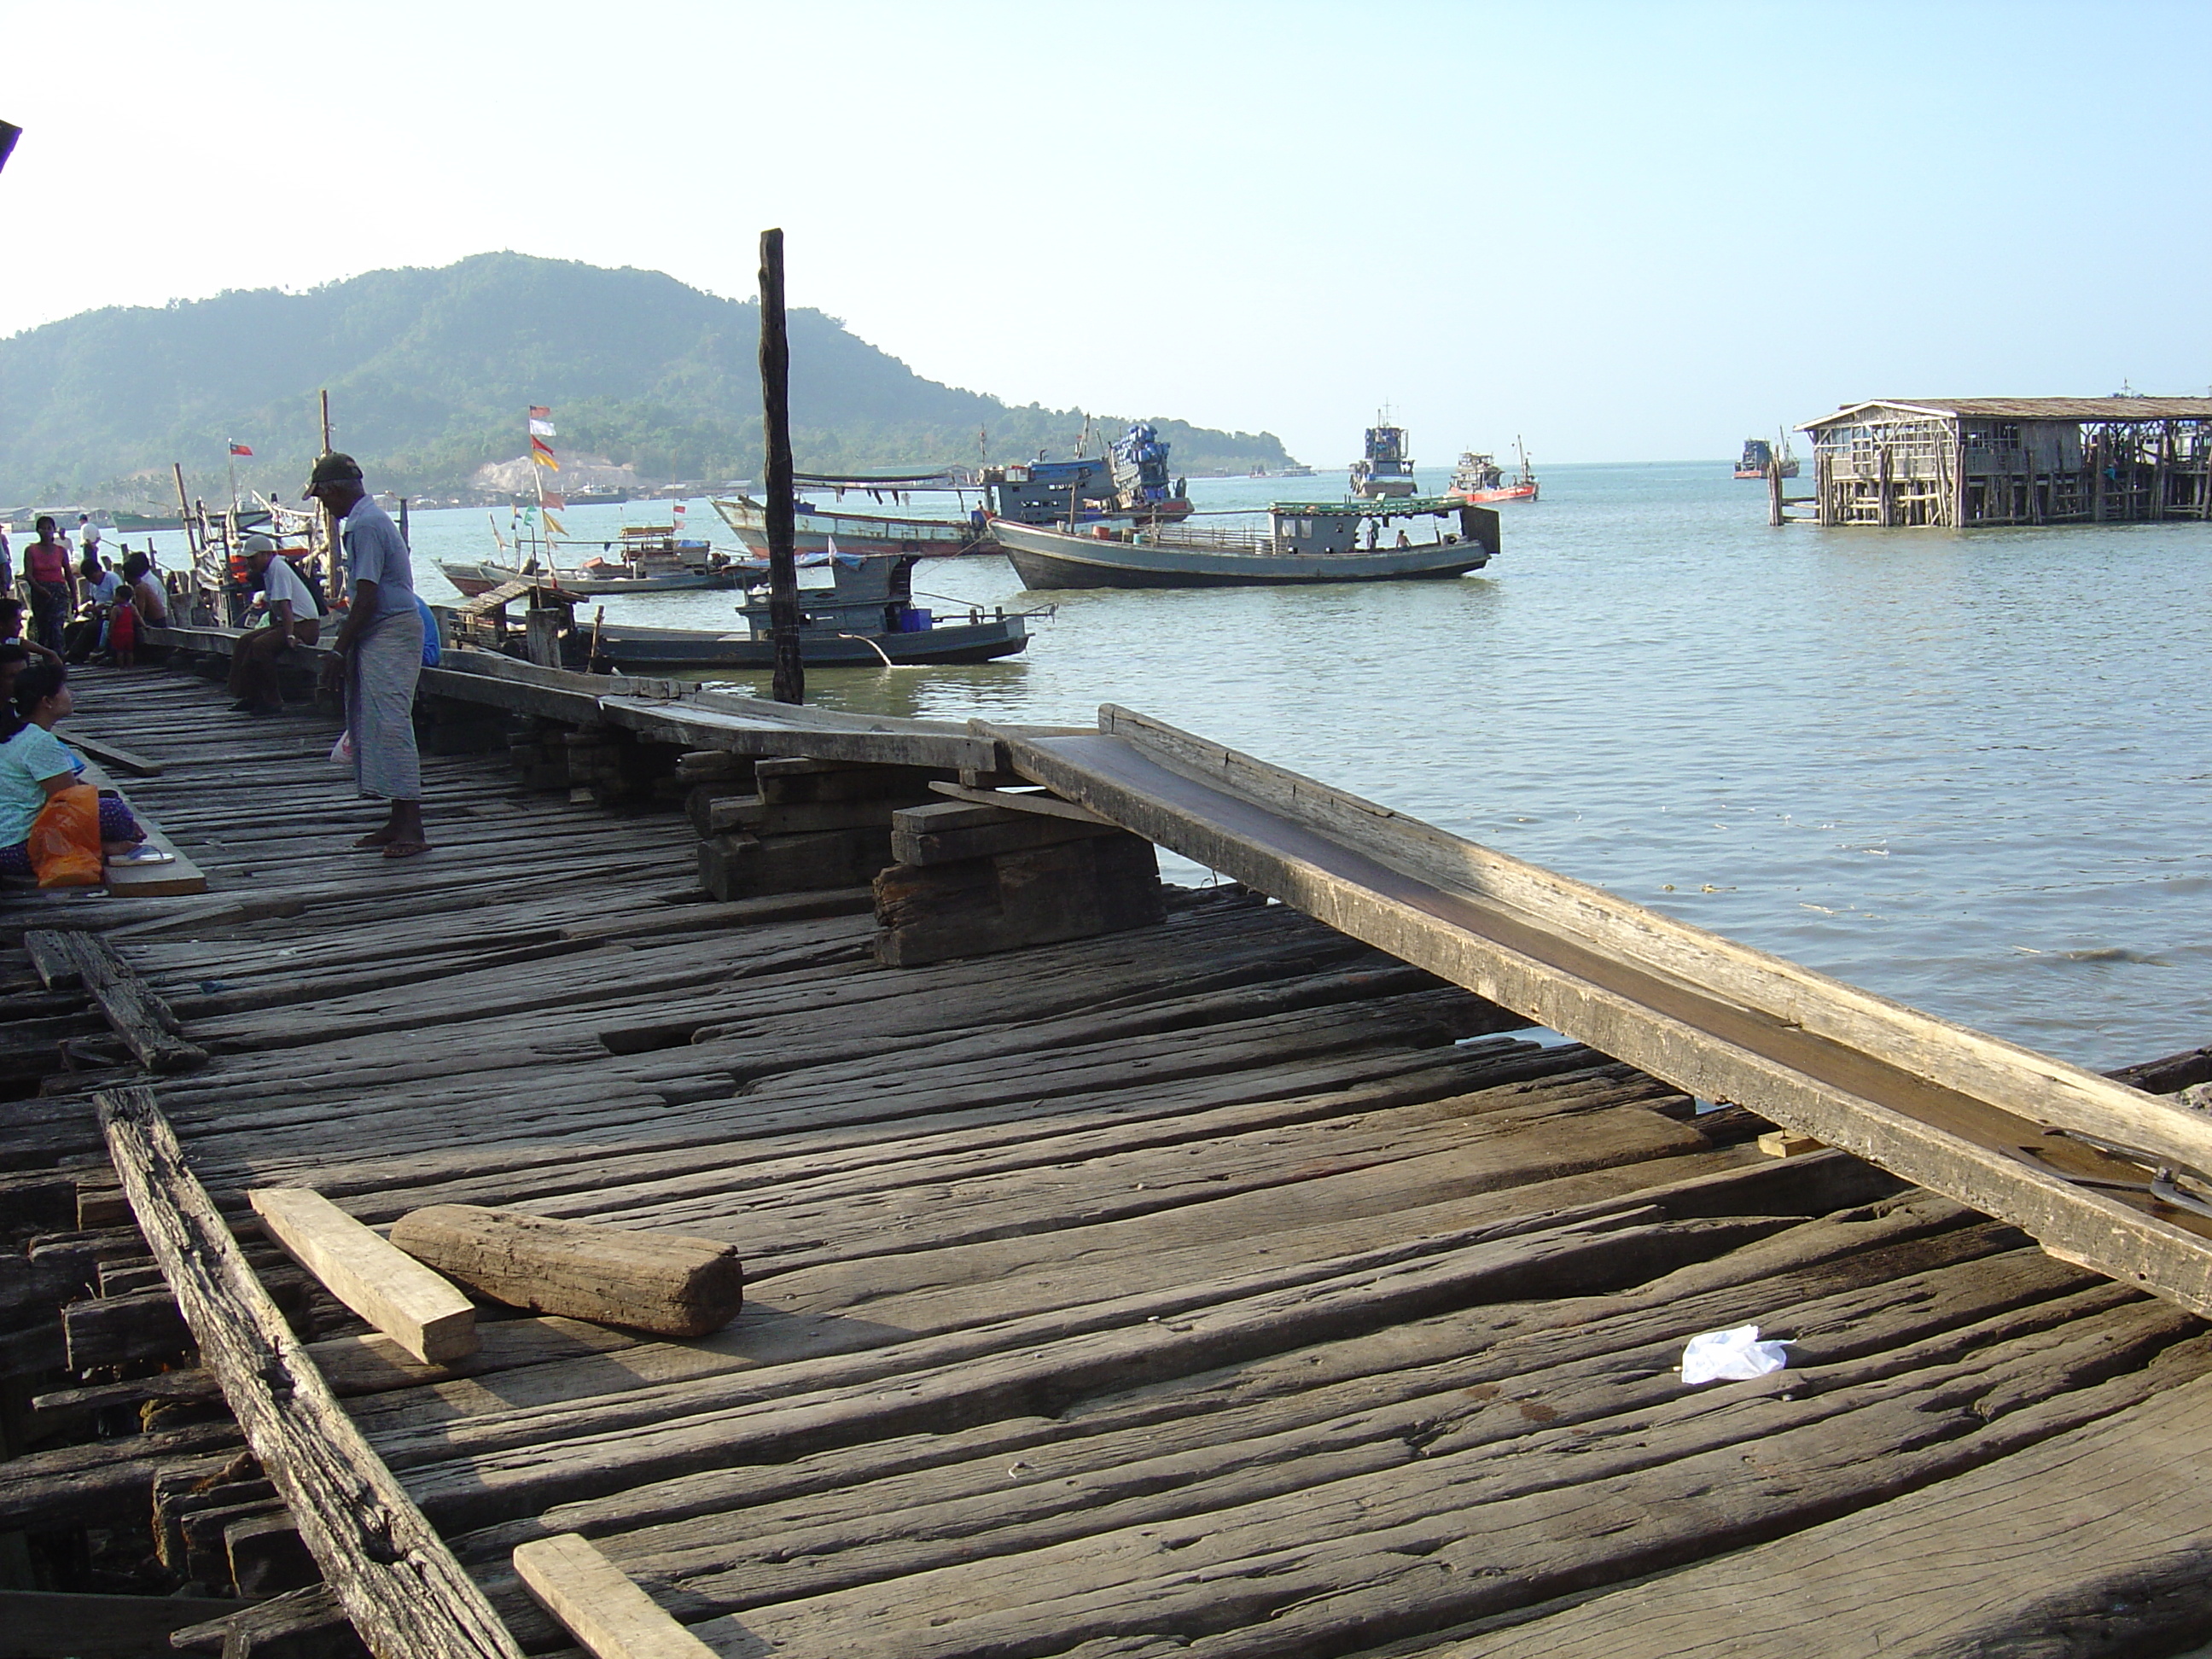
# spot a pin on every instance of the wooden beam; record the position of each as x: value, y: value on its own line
x: 141, y: 1019
x: 1987, y: 1122
x: 402, y: 1589
x: 114, y: 754
x: 419, y: 1311
x: 1021, y: 801
x: 596, y: 1603
x: 789, y: 679
x: 664, y: 1283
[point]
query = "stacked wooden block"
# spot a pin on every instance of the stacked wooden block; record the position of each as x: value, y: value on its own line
x: 976, y: 875
x: 807, y: 825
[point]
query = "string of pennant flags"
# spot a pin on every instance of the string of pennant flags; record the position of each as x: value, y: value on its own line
x: 550, y: 502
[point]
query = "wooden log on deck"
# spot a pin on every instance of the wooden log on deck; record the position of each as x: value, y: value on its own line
x: 598, y: 1605
x: 399, y: 1585
x: 1097, y: 884
x: 791, y: 779
x: 659, y: 1282
x: 391, y: 1290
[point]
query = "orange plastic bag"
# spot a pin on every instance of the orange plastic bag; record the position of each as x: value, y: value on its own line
x: 64, y: 844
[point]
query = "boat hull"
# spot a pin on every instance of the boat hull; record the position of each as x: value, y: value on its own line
x: 1503, y: 492
x: 475, y: 579
x: 695, y: 650
x: 1048, y: 559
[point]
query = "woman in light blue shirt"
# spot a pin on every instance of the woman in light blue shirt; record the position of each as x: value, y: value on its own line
x: 35, y: 766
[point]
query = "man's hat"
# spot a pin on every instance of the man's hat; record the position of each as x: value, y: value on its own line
x: 334, y: 468
x: 254, y: 544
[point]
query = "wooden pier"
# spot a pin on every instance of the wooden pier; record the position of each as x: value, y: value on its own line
x: 1197, y: 1275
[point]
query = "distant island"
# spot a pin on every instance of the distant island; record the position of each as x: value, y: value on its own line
x: 431, y: 372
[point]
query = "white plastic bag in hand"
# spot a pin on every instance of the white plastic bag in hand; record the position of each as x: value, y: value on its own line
x: 342, y: 750
x: 1731, y: 1356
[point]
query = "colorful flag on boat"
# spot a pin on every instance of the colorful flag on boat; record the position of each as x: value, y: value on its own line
x: 540, y: 428
x: 238, y: 448
x: 553, y: 525
x: 539, y: 412
x: 542, y: 454
x: 552, y: 499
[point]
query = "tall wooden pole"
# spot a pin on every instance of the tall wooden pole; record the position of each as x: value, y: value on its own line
x: 333, y: 549
x: 790, y: 683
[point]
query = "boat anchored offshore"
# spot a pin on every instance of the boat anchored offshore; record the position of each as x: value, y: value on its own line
x: 818, y: 529
x: 1478, y: 477
x: 1759, y: 454
x: 1305, y: 543
x: 1384, y: 471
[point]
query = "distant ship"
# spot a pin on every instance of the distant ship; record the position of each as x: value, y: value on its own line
x: 1758, y: 453
x: 1384, y: 470
x: 1480, y: 478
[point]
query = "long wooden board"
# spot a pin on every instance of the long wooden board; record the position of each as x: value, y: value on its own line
x: 398, y: 1583
x: 1951, y: 1108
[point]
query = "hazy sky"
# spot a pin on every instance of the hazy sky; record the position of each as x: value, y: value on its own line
x: 1631, y: 232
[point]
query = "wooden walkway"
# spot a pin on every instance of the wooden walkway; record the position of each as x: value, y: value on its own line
x: 1228, y: 1287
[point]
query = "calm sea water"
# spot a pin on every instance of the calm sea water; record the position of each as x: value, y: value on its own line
x: 1967, y: 771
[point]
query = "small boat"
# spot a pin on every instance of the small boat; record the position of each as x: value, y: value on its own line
x: 1478, y: 477
x: 598, y: 495
x: 644, y: 559
x: 1306, y: 542
x: 864, y: 617
x: 1384, y: 471
x: 138, y: 522
x: 1296, y: 470
x: 1759, y: 454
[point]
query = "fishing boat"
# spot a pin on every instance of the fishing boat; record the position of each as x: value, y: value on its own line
x: 1384, y: 471
x: 1478, y: 477
x: 817, y: 530
x: 1131, y: 481
x: 1759, y: 454
x: 1305, y: 543
x: 859, y: 612
x: 643, y: 559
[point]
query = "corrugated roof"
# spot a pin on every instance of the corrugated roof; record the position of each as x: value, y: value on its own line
x: 2032, y: 409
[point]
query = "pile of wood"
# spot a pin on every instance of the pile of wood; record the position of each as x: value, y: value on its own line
x: 807, y: 826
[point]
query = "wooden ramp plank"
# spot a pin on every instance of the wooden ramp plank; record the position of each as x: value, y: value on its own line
x: 399, y: 1585
x: 2095, y: 1542
x: 598, y: 1605
x: 1953, y: 1110
x: 412, y: 1305
x: 178, y: 877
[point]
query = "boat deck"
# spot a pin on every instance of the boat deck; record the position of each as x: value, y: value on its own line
x: 1227, y: 1288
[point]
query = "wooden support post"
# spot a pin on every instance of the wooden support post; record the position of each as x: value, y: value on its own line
x: 1774, y: 491
x: 970, y: 907
x: 659, y: 1282
x: 598, y: 1605
x: 384, y: 1284
x: 790, y: 677
x: 405, y: 1594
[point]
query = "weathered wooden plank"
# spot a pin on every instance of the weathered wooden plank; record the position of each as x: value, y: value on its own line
x: 598, y: 1603
x: 1952, y: 1109
x: 141, y: 1019
x: 2091, y: 1543
x: 391, y: 1290
x: 659, y: 1282
x: 1022, y: 800
x: 46, y: 1625
x: 401, y: 1588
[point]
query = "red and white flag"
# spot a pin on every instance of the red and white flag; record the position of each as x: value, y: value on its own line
x: 539, y: 412
x: 238, y: 448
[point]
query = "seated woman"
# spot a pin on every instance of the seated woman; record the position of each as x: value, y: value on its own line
x: 35, y: 765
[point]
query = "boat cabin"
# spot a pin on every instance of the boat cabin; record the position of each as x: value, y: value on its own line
x: 1040, y: 492
x: 1327, y: 527
x: 866, y: 593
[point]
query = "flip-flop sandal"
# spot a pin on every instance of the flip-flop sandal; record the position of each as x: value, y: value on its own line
x: 142, y: 855
x: 406, y: 849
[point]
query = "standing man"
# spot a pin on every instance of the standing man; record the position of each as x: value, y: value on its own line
x: 380, y: 653
x: 291, y: 614
x: 53, y: 584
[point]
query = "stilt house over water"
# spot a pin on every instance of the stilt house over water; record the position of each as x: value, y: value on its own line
x: 1953, y: 462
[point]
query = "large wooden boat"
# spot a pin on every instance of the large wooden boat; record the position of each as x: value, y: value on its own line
x: 1759, y: 454
x: 1306, y: 542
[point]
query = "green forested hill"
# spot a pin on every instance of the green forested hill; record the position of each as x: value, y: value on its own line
x: 429, y: 373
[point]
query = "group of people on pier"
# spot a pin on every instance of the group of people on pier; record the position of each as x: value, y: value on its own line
x: 376, y: 655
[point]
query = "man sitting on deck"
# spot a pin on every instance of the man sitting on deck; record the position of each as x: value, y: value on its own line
x: 380, y: 655
x: 292, y: 614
